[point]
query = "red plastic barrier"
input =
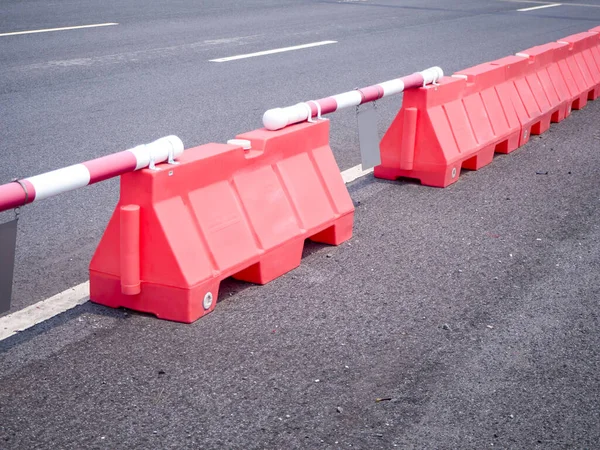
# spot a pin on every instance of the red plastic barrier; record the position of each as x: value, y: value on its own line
x: 224, y: 211
x: 493, y: 107
x: 459, y: 123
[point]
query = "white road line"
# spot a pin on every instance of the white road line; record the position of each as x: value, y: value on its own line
x: 44, y: 310
x: 584, y: 5
x: 270, y: 52
x: 78, y: 295
x: 354, y: 173
x: 551, y: 5
x: 46, y: 30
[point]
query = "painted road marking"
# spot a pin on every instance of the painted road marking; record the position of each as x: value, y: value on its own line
x: 584, y: 5
x: 18, y: 321
x: 46, y: 30
x: 533, y: 8
x: 44, y: 310
x: 270, y: 52
x: 354, y: 173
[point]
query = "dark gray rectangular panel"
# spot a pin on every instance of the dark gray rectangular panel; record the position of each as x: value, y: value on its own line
x: 8, y: 244
x: 368, y: 137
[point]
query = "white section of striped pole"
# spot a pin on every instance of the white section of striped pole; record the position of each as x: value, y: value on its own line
x: 432, y: 74
x: 59, y: 181
x: 352, y: 98
x: 392, y: 87
x: 158, y: 151
x: 277, y: 118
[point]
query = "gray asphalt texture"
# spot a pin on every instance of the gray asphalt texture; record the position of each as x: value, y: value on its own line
x: 471, y: 311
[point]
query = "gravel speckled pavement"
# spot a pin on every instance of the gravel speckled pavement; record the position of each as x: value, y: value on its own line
x: 471, y: 312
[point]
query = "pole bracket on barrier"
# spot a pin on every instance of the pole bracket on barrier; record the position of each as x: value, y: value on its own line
x: 308, y: 112
x: 171, y: 158
x: 152, y: 162
x: 318, y: 105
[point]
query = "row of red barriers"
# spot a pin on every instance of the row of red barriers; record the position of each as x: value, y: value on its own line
x: 489, y: 108
x: 245, y: 209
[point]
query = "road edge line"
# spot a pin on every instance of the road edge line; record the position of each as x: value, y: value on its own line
x: 39, y: 312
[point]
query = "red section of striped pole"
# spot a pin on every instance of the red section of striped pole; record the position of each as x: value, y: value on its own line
x: 328, y: 105
x: 110, y: 166
x: 371, y: 93
x: 13, y: 195
x: 413, y: 81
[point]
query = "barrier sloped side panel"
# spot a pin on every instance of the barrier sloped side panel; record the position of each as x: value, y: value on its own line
x: 551, y: 94
x: 574, y: 69
x: 583, y: 63
x: 576, y: 97
x: 595, y: 48
x: 489, y: 81
x: 522, y: 88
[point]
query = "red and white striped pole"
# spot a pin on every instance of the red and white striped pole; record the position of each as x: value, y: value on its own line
x: 39, y: 187
x: 277, y: 118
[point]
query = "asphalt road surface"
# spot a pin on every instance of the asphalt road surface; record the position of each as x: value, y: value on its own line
x: 471, y: 310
